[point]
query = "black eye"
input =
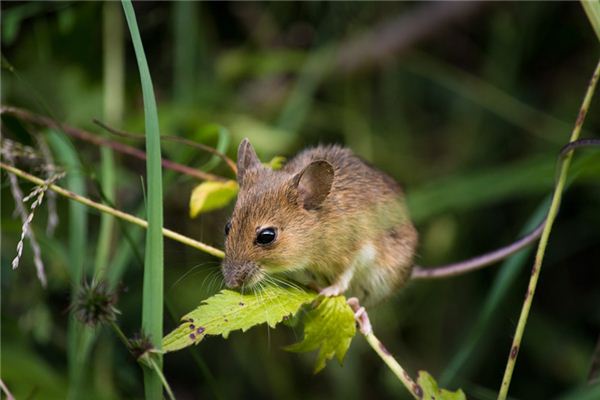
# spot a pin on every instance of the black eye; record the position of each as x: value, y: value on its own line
x: 227, y: 228
x: 266, y: 236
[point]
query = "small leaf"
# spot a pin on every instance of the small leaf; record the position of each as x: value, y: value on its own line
x: 229, y: 311
x: 209, y: 196
x: 275, y: 163
x: 329, y: 328
x: 432, y: 391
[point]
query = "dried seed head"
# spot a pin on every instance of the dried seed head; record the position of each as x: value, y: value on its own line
x: 140, y: 345
x: 94, y: 304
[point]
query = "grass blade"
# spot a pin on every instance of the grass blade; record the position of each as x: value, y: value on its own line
x: 152, y: 309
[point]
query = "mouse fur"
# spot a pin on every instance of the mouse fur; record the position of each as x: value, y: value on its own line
x: 338, y: 223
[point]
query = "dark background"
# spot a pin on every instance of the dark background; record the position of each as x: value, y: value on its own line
x: 466, y: 104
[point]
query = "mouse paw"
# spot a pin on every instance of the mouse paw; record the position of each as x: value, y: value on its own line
x: 360, y: 315
x: 330, y: 291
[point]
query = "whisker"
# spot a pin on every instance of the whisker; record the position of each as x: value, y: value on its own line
x: 188, y: 272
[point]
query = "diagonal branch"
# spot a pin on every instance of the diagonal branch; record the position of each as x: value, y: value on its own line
x: 114, y: 212
x: 539, y: 257
x: 100, y: 141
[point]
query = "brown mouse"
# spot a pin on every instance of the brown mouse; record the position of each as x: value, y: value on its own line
x: 326, y: 218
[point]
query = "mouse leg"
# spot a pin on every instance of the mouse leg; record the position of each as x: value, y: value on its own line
x: 340, y: 285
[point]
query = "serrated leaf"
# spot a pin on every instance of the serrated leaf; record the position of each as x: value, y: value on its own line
x: 432, y: 391
x: 229, y: 311
x: 329, y: 328
x: 209, y: 196
x: 276, y: 163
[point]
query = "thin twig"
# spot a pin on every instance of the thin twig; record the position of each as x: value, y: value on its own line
x: 7, y: 392
x: 100, y: 141
x: 362, y: 318
x: 395, y: 367
x: 539, y: 257
x: 17, y: 194
x: 117, y: 213
x: 170, y: 138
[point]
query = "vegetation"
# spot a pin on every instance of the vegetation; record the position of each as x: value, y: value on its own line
x: 467, y: 104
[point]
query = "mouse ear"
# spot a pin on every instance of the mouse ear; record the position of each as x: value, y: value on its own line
x: 246, y: 159
x: 313, y: 183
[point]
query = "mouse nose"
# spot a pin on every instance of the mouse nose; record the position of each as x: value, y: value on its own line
x: 236, y: 273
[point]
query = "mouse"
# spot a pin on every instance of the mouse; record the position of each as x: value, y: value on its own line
x: 327, y: 219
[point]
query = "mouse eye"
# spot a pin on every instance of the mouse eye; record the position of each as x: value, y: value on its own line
x: 227, y: 227
x: 266, y: 236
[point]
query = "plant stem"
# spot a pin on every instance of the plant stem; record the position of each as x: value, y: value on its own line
x: 539, y: 257
x: 396, y: 368
x: 114, y: 212
x: 103, y: 142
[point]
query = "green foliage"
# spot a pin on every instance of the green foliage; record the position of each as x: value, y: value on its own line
x: 276, y: 163
x: 209, y: 196
x: 229, y: 311
x: 329, y: 328
x: 432, y: 391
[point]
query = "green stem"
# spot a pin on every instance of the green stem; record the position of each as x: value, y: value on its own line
x: 539, y: 257
x: 114, y: 212
x: 120, y: 334
x: 158, y: 371
x: 387, y: 357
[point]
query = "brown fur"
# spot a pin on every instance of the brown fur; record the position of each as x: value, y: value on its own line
x: 332, y: 211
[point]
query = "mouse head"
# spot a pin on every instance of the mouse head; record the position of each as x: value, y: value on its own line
x: 274, y: 224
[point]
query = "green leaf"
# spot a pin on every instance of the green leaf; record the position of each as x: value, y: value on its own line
x: 275, y: 163
x: 432, y: 391
x: 329, y: 328
x: 229, y: 311
x: 209, y: 196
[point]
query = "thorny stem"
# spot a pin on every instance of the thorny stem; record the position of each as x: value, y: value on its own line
x: 362, y: 319
x: 395, y: 367
x: 539, y: 257
x: 100, y: 141
x: 112, y: 211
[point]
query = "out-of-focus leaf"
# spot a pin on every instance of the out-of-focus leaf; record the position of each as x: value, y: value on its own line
x: 592, y: 9
x: 229, y: 311
x: 329, y: 328
x: 275, y: 163
x: 208, y: 132
x: 209, y: 196
x: 432, y: 391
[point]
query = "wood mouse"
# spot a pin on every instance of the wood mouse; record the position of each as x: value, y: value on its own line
x: 327, y: 218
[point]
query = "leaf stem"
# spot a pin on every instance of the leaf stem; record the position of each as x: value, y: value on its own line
x: 535, y: 273
x: 114, y: 212
x: 394, y: 366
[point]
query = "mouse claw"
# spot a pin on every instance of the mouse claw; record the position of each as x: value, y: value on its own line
x: 360, y: 315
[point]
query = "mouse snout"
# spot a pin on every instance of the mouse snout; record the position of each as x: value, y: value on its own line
x: 237, y: 273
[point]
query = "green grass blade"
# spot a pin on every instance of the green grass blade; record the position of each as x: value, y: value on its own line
x: 152, y: 309
x: 592, y: 9
x: 67, y: 156
x: 113, y: 109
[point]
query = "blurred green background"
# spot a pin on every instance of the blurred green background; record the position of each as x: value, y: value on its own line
x: 465, y: 104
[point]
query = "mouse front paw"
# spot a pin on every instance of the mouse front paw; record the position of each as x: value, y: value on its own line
x: 331, y: 291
